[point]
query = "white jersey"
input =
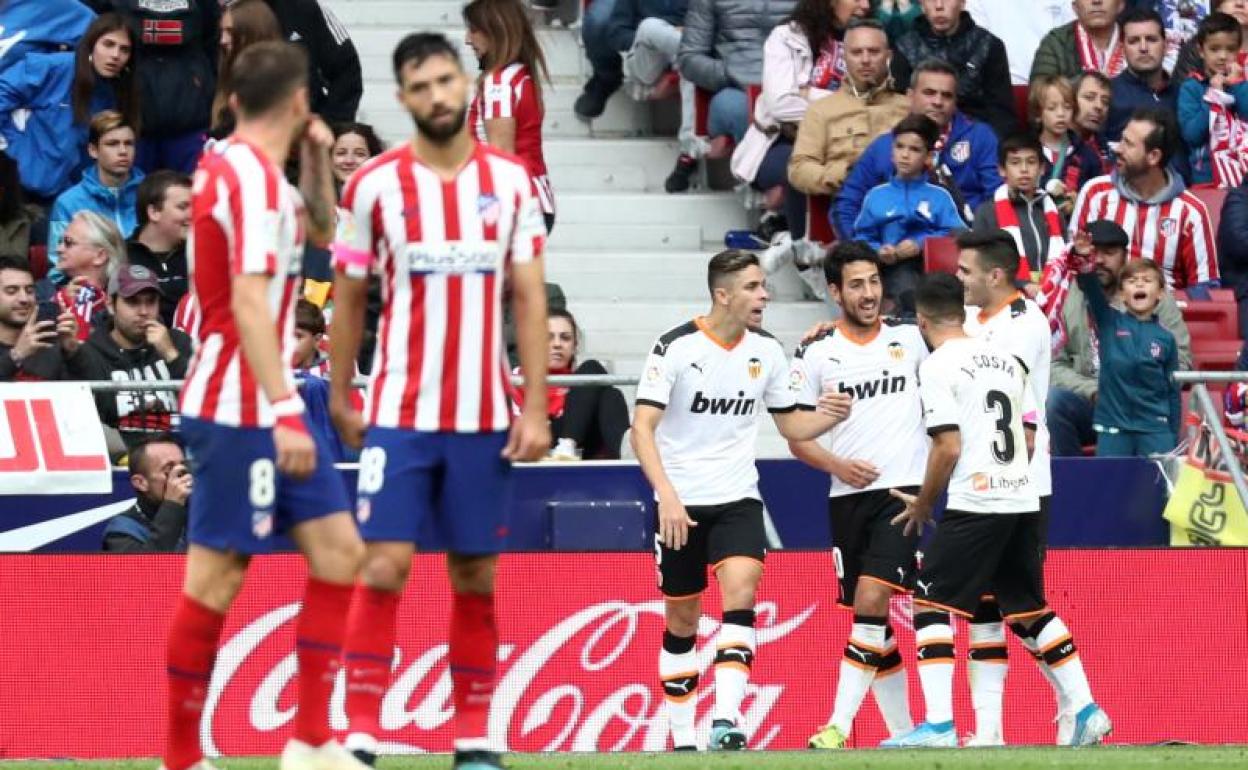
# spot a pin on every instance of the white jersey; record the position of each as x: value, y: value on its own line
x: 1020, y: 328
x: 981, y: 391
x: 881, y: 374
x: 712, y: 395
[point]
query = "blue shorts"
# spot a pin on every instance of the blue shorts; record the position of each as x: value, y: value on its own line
x: 241, y: 501
x: 447, y: 490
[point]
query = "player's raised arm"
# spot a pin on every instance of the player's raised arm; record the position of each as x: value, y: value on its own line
x: 316, y: 182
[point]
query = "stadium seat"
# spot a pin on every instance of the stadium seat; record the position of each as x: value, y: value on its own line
x: 38, y: 258
x: 1020, y: 105
x: 752, y: 92
x: 818, y: 228
x: 1213, y: 198
x: 1216, y: 318
x: 701, y: 112
x: 940, y: 255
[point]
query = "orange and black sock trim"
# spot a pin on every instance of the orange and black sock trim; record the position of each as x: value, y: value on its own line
x: 988, y: 612
x: 681, y: 686
x: 938, y: 649
x: 1059, y: 651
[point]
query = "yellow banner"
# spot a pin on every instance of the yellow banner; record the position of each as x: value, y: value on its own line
x: 1204, y: 510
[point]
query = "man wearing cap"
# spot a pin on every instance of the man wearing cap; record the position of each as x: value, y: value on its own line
x: 133, y: 345
x: 1072, y: 389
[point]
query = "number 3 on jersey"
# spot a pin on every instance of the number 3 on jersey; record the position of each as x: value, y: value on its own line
x: 1003, y: 446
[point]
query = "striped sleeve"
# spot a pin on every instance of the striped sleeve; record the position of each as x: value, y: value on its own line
x: 503, y: 90
x: 1199, y: 249
x: 254, y: 214
x: 528, y: 235
x: 353, y: 245
x: 1086, y: 204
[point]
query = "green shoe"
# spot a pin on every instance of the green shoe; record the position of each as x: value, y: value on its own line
x: 828, y: 737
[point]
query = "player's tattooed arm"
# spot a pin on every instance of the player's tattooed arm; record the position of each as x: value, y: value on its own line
x: 316, y: 182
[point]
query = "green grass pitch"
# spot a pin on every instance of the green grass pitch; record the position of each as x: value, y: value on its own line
x: 1103, y: 758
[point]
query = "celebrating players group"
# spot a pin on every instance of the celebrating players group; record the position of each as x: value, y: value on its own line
x: 445, y: 221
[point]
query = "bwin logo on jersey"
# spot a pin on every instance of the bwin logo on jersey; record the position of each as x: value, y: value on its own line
x: 731, y: 406
x: 882, y: 386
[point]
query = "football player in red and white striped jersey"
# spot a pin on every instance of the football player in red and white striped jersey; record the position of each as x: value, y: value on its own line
x: 446, y: 221
x: 259, y: 467
x: 1165, y: 221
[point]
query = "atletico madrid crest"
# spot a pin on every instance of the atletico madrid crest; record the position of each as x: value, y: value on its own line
x: 489, y: 209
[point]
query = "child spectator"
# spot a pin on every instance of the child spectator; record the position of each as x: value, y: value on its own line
x: 1018, y: 207
x: 1213, y: 103
x: 1067, y: 164
x: 109, y: 188
x: 1189, y: 61
x: 310, y: 359
x: 899, y: 215
x: 159, y: 243
x: 1137, y: 404
x: 585, y: 422
x: 507, y: 109
x: 47, y: 100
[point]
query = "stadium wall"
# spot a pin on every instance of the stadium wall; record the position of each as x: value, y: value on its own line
x: 596, y: 506
x: 1163, y: 634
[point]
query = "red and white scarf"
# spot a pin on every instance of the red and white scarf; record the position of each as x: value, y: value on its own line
x: 828, y: 70
x: 1228, y: 140
x: 1007, y: 220
x: 1055, y: 288
x: 1112, y: 62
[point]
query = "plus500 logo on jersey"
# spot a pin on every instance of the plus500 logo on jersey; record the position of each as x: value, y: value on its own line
x: 740, y: 405
x: 453, y: 257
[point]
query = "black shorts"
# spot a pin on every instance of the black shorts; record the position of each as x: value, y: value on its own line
x: 723, y: 531
x: 975, y: 554
x: 865, y: 544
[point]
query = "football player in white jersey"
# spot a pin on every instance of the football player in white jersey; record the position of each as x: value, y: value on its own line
x: 990, y: 539
x: 882, y: 445
x: 701, y: 392
x: 1002, y: 316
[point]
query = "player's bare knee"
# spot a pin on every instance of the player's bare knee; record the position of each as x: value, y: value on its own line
x: 471, y: 574
x: 337, y: 561
x: 683, y: 614
x: 872, y: 598
x: 385, y: 570
x: 738, y: 582
x: 214, y: 578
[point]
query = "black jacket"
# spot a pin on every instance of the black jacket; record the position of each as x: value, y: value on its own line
x: 170, y: 268
x: 47, y: 364
x: 1233, y: 241
x: 177, y: 61
x: 1033, y: 227
x: 100, y: 358
x: 335, y: 80
x: 984, y: 90
x: 147, y: 528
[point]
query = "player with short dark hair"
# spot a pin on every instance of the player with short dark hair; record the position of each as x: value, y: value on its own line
x: 260, y: 468
x: 448, y: 222
x: 977, y: 405
x: 704, y: 384
x: 882, y: 445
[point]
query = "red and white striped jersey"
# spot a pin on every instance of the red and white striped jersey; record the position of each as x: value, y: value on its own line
x: 245, y: 220
x: 1176, y: 234
x: 187, y: 317
x: 512, y: 93
x: 442, y: 249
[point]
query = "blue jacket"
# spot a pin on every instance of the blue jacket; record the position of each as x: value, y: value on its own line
x: 1134, y: 389
x: 121, y: 206
x: 1233, y: 241
x: 1194, y: 123
x: 32, y: 26
x: 902, y: 209
x: 37, y: 121
x: 970, y: 156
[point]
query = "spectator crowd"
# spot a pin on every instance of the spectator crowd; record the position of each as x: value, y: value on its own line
x: 1093, y: 132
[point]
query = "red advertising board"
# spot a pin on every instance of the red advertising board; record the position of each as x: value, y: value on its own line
x: 1163, y: 635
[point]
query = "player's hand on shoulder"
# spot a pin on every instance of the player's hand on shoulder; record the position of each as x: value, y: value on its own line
x: 529, y: 439
x: 834, y: 404
x: 859, y: 474
x: 296, y: 451
x: 914, y: 517
x: 674, y: 522
x: 348, y: 422
x: 823, y: 327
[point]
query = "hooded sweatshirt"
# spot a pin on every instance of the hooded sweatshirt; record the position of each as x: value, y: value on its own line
x: 1172, y: 228
x: 120, y: 204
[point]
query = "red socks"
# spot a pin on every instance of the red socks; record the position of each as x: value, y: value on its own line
x: 473, y: 656
x: 318, y: 644
x: 369, y: 654
x: 192, y: 649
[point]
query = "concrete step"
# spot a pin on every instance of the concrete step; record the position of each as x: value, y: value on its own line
x: 413, y: 13
x: 611, y: 278
x: 591, y: 236
x: 622, y: 179
x: 561, y: 47
x: 715, y: 213
x: 651, y: 158
x: 633, y: 325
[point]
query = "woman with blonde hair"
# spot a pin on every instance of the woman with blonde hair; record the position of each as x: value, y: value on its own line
x: 507, y: 109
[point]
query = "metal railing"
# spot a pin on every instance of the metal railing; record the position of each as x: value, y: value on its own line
x: 1213, y: 418
x: 570, y: 380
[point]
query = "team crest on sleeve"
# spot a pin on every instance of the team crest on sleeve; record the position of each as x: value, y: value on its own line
x: 896, y: 351
x: 490, y: 209
x: 653, y: 374
x: 755, y: 368
x: 797, y: 378
x: 960, y: 151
